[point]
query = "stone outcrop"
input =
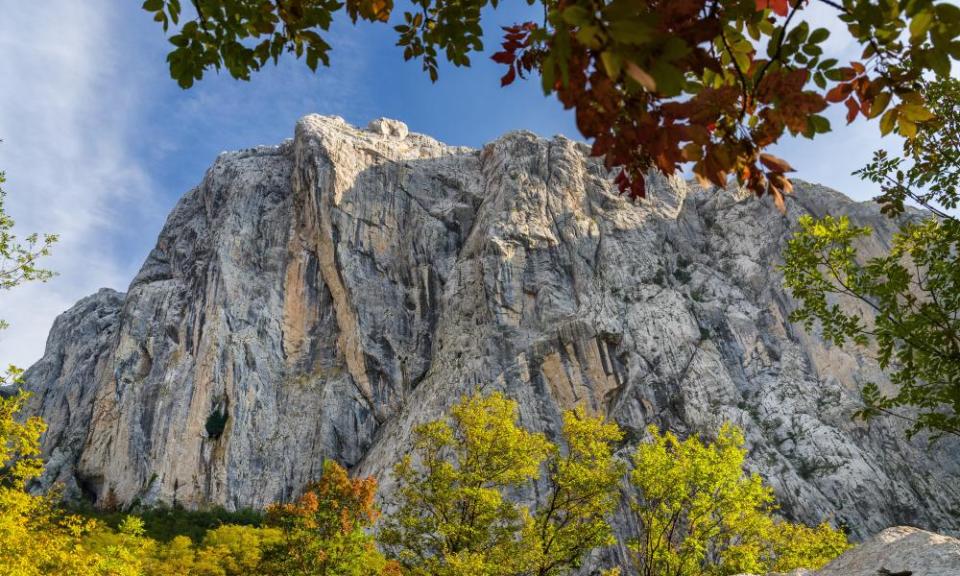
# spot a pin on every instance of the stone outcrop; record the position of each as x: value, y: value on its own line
x: 328, y: 294
x: 896, y: 551
x: 900, y: 550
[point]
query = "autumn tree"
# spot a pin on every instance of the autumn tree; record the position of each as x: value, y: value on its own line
x: 37, y: 537
x: 324, y: 531
x: 584, y: 490
x: 700, y: 515
x: 912, y: 292
x: 457, y: 510
x: 654, y: 83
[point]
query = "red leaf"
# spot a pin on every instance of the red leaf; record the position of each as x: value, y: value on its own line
x: 509, y: 77
x: 779, y: 7
x: 503, y: 58
x: 778, y: 199
x: 852, y: 109
x: 839, y: 92
x: 638, y: 189
x: 777, y: 165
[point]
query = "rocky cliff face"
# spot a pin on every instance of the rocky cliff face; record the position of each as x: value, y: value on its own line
x: 326, y: 295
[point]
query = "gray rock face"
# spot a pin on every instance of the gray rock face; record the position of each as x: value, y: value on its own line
x: 896, y: 551
x: 899, y: 550
x: 329, y: 294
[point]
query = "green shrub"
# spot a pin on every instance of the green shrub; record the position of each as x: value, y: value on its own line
x: 216, y: 423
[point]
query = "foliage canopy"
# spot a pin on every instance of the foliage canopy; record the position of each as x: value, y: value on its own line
x: 456, y: 515
x: 912, y: 292
x: 325, y: 530
x: 655, y: 83
x: 457, y: 512
x: 699, y: 515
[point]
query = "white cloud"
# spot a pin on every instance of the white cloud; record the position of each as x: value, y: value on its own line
x: 65, y: 118
x: 99, y: 142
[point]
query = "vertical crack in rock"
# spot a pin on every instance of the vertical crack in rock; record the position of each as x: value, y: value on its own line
x: 318, y: 185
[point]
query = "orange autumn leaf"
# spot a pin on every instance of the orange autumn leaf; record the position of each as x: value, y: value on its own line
x: 775, y: 164
x: 779, y: 7
x: 852, y: 109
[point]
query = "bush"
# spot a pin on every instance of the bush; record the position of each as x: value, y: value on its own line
x: 216, y: 423
x: 164, y: 523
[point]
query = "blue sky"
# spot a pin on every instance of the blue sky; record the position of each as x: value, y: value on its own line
x: 99, y: 143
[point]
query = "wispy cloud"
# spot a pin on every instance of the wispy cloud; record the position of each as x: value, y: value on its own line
x: 65, y: 118
x: 99, y: 143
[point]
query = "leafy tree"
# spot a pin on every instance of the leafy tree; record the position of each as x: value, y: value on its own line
x: 584, y: 492
x: 655, y: 83
x: 699, y: 515
x: 455, y: 515
x: 912, y: 292
x: 323, y: 532
x: 36, y: 537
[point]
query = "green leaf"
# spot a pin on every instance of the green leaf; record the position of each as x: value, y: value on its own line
x: 630, y: 32
x: 576, y: 15
x: 920, y: 24
x: 828, y: 63
x: 818, y: 35
x: 880, y: 103
x: 819, y: 124
x: 612, y: 63
x: 669, y: 79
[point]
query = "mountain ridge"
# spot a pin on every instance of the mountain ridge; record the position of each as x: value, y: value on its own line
x: 329, y: 293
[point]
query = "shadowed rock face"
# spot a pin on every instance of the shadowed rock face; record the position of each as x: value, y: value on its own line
x: 329, y: 294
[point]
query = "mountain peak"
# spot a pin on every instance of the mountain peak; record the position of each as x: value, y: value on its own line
x: 330, y: 293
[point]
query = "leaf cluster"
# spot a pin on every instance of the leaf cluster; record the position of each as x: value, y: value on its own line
x: 654, y: 83
x: 325, y: 530
x: 928, y: 170
x: 19, y: 260
x: 913, y: 296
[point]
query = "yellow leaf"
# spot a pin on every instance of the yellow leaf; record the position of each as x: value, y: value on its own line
x: 908, y: 129
x: 612, y: 63
x: 915, y: 112
x: 879, y: 104
x: 888, y: 121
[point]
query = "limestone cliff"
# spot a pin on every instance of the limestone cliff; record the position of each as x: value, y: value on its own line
x: 326, y: 295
